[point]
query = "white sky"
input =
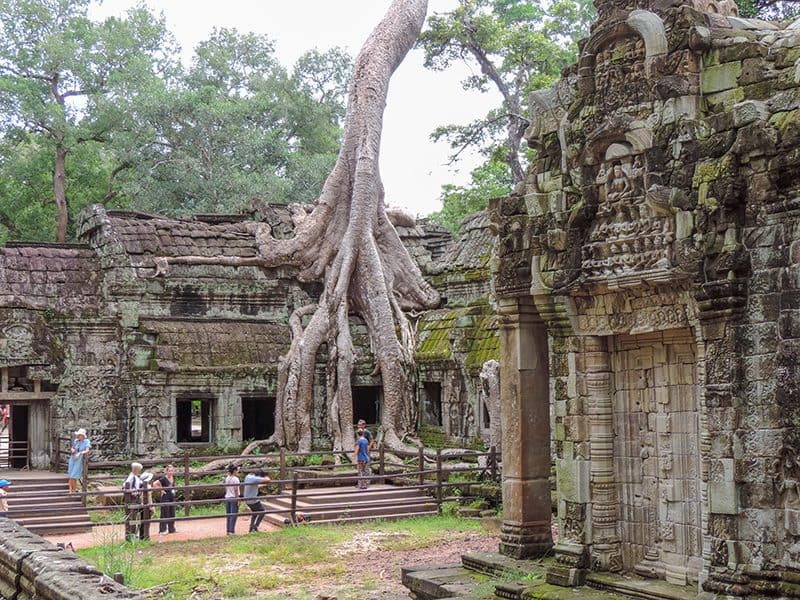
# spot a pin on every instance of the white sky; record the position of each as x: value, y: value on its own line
x: 413, y: 168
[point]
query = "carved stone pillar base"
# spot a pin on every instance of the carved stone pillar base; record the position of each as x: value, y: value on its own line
x: 570, y: 568
x: 606, y: 557
x: 651, y: 567
x: 525, y: 540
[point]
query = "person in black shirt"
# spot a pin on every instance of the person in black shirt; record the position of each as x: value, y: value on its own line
x: 165, y: 486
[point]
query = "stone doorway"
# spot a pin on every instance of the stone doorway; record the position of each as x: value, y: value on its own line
x: 657, y: 453
x: 367, y: 403
x: 25, y: 443
x: 258, y: 417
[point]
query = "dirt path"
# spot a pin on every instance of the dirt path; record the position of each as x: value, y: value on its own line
x: 198, y: 529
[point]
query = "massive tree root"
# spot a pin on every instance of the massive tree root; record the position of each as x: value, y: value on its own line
x: 348, y: 242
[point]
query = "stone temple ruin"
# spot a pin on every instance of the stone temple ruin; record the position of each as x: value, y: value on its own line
x: 647, y: 316
x: 152, y: 357
x: 649, y: 269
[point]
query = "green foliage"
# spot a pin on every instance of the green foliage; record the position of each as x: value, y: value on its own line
x: 66, y: 83
x: 138, y: 129
x: 518, y: 46
x: 239, y: 126
x: 490, y: 180
x: 769, y: 9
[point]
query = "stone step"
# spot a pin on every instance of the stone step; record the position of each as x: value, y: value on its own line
x: 59, y: 528
x: 18, y: 511
x: 447, y: 581
x: 340, y: 495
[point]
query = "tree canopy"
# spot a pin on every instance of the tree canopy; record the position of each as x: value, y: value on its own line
x: 103, y: 111
x: 65, y: 84
x: 515, y: 47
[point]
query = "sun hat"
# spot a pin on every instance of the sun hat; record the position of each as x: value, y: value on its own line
x: 4, y: 483
x: 81, y: 431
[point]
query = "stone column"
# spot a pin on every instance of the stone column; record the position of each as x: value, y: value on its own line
x: 525, y: 417
x: 605, y: 553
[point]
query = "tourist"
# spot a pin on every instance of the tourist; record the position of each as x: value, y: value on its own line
x: 5, y: 412
x: 164, y: 493
x: 79, y: 448
x: 132, y: 499
x: 4, y: 483
x: 361, y: 457
x: 362, y: 426
x: 231, y: 498
x: 251, y: 483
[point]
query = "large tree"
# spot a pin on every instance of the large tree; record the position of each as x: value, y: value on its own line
x: 235, y: 126
x: 66, y: 79
x: 347, y: 242
x: 517, y: 46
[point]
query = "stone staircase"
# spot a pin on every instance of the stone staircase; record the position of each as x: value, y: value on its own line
x: 483, y: 575
x: 348, y: 505
x: 39, y: 501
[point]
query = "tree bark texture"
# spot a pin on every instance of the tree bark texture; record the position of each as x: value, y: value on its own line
x: 60, y: 193
x: 348, y: 242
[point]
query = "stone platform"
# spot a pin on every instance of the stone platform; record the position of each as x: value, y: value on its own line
x: 492, y: 575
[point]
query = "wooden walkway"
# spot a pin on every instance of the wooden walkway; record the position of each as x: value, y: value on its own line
x: 347, y: 505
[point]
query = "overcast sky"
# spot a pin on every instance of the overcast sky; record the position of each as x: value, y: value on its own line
x: 413, y: 168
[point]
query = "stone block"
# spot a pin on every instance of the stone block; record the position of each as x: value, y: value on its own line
x: 721, y: 77
x: 572, y: 480
x: 723, y: 498
x: 749, y: 111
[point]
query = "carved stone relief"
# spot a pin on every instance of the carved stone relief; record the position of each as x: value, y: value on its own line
x: 633, y: 231
x: 657, y: 452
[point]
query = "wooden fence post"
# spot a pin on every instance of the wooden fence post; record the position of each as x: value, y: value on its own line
x: 381, y: 461
x: 294, y: 499
x: 421, y: 466
x: 84, y: 477
x: 145, y: 512
x: 439, y: 478
x: 282, y: 468
x: 187, y: 492
x: 493, y: 463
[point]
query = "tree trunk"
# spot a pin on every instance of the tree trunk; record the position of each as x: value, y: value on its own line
x: 60, y: 193
x: 348, y: 242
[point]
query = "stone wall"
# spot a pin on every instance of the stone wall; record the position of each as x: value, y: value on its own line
x: 31, y: 567
x: 147, y: 323
x: 656, y: 238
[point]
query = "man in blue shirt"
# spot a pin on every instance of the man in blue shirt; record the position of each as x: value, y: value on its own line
x: 251, y: 483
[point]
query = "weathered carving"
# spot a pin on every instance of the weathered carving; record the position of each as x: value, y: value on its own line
x: 633, y: 231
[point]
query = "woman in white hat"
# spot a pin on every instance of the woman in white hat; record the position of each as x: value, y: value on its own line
x: 80, y: 447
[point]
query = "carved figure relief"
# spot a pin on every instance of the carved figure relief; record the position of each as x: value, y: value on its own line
x: 16, y: 342
x: 631, y: 233
x: 619, y: 74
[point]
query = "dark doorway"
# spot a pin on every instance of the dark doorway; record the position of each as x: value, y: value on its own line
x: 367, y: 403
x: 486, y: 421
x: 193, y: 420
x: 432, y: 403
x: 18, y: 442
x: 258, y: 417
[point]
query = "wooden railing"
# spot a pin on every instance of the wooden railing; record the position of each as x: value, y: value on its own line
x: 427, y: 470
x: 17, y: 455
